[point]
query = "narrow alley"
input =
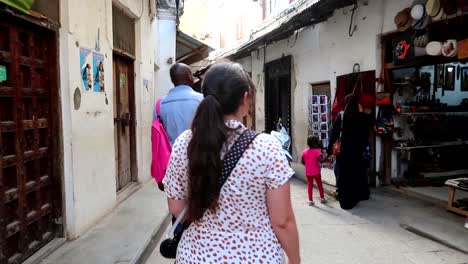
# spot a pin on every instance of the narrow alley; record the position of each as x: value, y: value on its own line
x: 98, y: 98
x: 371, y: 233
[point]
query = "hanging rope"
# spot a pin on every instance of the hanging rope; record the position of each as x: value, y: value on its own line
x: 352, y: 29
x: 177, y: 13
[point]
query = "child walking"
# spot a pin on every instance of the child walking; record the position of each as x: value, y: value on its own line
x: 311, y: 158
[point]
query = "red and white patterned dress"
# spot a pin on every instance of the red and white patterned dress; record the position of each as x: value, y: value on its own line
x: 239, y: 231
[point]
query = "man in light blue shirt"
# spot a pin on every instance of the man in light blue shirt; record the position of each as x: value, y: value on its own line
x: 178, y: 107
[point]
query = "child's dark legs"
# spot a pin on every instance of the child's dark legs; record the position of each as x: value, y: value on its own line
x: 318, y: 179
x: 310, y: 186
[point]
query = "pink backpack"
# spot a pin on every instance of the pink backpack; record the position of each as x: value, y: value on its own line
x: 161, y: 149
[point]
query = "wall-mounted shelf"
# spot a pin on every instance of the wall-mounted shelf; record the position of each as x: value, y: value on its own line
x: 424, y: 61
x: 434, y: 113
x: 441, y: 145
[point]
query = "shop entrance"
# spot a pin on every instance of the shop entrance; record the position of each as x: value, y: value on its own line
x: 278, y: 94
x: 30, y: 189
x: 428, y: 141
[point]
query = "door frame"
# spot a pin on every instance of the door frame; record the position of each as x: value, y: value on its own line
x: 55, y: 126
x: 282, y: 71
x: 132, y: 108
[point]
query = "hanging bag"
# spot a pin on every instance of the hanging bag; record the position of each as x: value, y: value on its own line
x: 168, y: 248
x: 336, y: 149
x: 366, y: 100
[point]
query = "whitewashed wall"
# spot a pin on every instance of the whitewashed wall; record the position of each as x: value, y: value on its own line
x: 88, y: 133
x: 323, y: 52
x: 165, y: 33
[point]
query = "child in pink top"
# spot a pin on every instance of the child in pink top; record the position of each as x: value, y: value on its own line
x: 311, y: 158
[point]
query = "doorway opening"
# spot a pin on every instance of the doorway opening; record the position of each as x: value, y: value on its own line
x: 278, y: 95
x: 124, y: 98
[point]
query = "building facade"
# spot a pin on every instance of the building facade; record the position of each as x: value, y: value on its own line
x: 77, y: 99
x: 311, y: 58
x: 221, y: 24
x: 308, y: 48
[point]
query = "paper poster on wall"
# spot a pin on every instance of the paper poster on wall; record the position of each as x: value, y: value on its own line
x: 122, y: 80
x: 92, y: 70
x: 98, y: 62
x: 86, y: 68
x: 3, y: 73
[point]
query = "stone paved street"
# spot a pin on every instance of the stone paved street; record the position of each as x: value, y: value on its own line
x: 363, y: 235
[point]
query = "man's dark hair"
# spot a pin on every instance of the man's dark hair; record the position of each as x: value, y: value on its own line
x: 181, y: 74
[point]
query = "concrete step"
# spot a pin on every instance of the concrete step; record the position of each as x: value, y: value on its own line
x: 121, y: 237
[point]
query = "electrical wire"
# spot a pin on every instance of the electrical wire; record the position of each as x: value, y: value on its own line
x: 352, y: 29
x: 295, y: 39
x: 177, y: 13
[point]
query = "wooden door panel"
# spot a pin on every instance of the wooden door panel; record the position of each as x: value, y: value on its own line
x: 123, y: 122
x: 28, y: 189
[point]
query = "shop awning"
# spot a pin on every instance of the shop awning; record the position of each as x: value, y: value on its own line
x: 190, y: 50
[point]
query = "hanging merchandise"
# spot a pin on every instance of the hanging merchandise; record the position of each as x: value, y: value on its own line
x: 421, y: 41
x: 450, y: 7
x: 403, y: 20
x: 383, y: 99
x: 434, y: 48
x: 22, y: 5
x: 360, y: 84
x: 319, y: 118
x: 463, y: 5
x: 366, y: 100
x: 336, y: 148
x: 434, y: 9
x: 449, y: 48
x: 419, y: 15
x: 462, y: 49
x: 283, y: 137
x: 403, y: 48
x: 385, y: 124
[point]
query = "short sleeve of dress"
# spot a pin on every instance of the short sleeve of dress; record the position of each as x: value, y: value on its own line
x: 176, y: 179
x: 318, y: 154
x: 279, y: 171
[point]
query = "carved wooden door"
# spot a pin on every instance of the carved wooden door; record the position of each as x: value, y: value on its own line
x: 30, y: 189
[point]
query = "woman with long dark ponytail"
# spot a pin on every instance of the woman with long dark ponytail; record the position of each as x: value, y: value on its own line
x: 248, y: 218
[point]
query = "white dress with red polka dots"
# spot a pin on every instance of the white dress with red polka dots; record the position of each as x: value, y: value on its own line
x: 239, y: 231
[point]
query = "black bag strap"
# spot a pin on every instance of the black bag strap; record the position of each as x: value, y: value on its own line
x: 234, y: 154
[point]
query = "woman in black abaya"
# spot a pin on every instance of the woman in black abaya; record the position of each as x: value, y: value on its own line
x: 351, y: 165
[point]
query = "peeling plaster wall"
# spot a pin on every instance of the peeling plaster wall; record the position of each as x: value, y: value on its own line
x: 166, y: 58
x: 321, y: 53
x: 88, y: 131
